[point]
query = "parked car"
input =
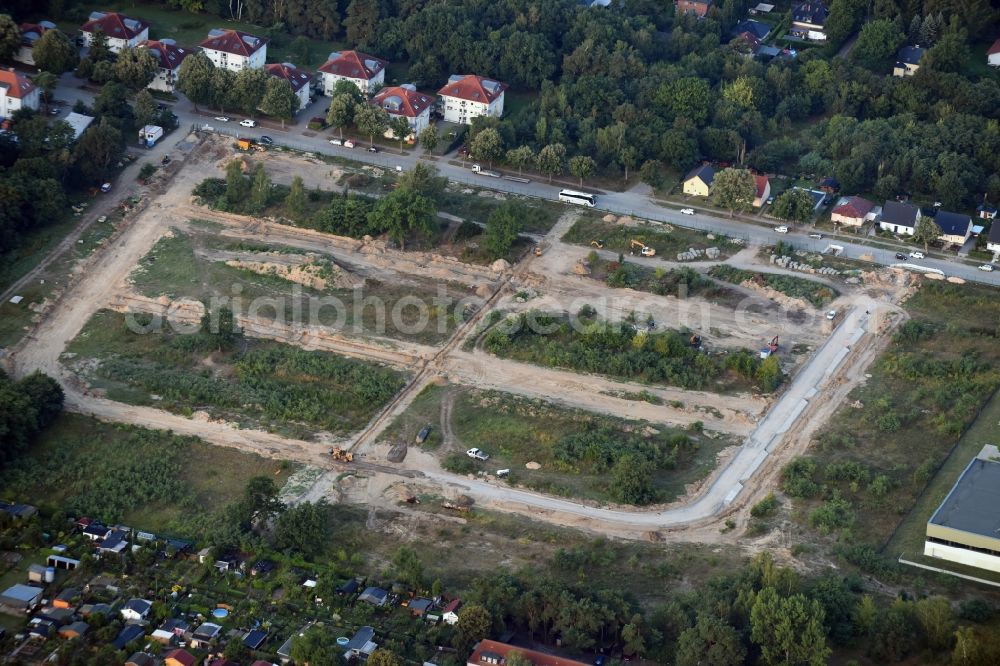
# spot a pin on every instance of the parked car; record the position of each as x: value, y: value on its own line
x: 423, y: 434
x: 372, y: 149
x: 53, y: 112
x: 901, y: 256
x: 916, y: 255
x: 782, y: 229
x: 986, y: 267
x: 336, y: 142
x: 832, y: 314
x: 770, y: 200
x: 266, y: 140
x: 815, y: 235
x: 106, y: 187
x: 687, y: 211
x: 246, y: 122
x: 102, y: 219
x: 222, y: 119
x: 477, y: 454
x: 348, y: 144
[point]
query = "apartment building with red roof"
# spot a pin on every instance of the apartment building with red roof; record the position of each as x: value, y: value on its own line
x: 234, y: 50
x: 365, y: 71
x: 16, y: 92
x: 404, y: 101
x: 297, y: 78
x: 467, y: 96
x: 121, y: 31
x: 169, y: 57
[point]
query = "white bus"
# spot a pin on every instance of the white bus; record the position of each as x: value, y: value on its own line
x: 579, y: 198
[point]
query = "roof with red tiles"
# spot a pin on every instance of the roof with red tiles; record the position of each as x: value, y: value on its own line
x: 290, y: 73
x: 15, y: 85
x: 233, y: 41
x: 353, y: 65
x: 115, y: 25
x: 854, y: 207
x: 169, y: 55
x: 473, y: 88
x: 403, y: 101
x: 494, y: 653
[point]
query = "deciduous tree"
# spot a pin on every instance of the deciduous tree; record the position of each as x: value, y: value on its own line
x: 502, y: 228
x: 54, y: 52
x: 582, y: 166
x: 403, y: 212
x: 248, y: 89
x: 279, y: 101
x: 237, y: 186
x: 400, y: 127
x: 473, y: 625
x: 10, y: 37
x: 135, y: 68
x: 429, y: 138
x: 734, y: 189
x: 195, y: 79
x: 371, y: 120
x: 710, y: 641
x: 789, y: 630
x: 296, y: 199
x: 551, y: 160
x: 793, y: 205
x: 926, y: 231
x: 144, y: 108
x: 341, y: 111
x: 520, y: 157
x: 487, y: 145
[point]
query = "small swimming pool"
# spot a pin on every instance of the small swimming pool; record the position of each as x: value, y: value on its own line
x: 220, y: 613
x: 343, y: 640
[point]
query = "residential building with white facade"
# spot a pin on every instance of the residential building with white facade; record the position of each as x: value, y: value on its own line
x: 169, y: 56
x: 121, y: 31
x: 404, y: 101
x: 234, y: 50
x: 16, y: 92
x: 467, y: 96
x: 298, y: 79
x: 365, y: 71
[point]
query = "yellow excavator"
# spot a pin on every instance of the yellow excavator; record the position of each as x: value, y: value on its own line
x: 599, y: 244
x: 644, y: 249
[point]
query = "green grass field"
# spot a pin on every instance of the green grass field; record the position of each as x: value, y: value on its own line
x: 924, y: 391
x: 256, y: 383
x: 149, y: 479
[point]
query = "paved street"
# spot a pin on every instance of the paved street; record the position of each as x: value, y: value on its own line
x: 628, y: 203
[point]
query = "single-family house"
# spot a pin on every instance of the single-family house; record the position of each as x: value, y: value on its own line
x: 763, y: 184
x: 495, y: 653
x: 420, y: 606
x: 467, y: 96
x: 908, y: 60
x: 169, y: 57
x: 79, y: 123
x: 350, y: 587
x: 36, y: 573
x: 234, y: 50
x: 16, y: 92
x: 31, y: 33
x: 758, y: 29
x: 179, y: 657
x: 96, y: 531
x: 255, y: 639
x: 94, y: 610
x: 698, y: 181
x: 76, y: 629
x: 59, y: 616
x: 297, y: 78
x: 697, y: 7
x: 361, y: 644
x: 852, y: 212
x: 993, y: 241
x: 955, y: 227
x: 205, y: 635
x: 136, y: 610
x: 163, y: 637
x: 20, y: 598
x: 122, y: 32
x: 809, y: 19
x: 113, y: 544
x: 405, y: 102
x: 375, y: 596
x: 129, y: 633
x: 41, y: 628
x: 365, y: 71
x: 984, y: 211
x: 747, y: 44
x: 285, y: 651
x: 450, y: 613
x: 140, y: 659
x: 993, y: 54
x: 899, y: 217
x: 829, y: 185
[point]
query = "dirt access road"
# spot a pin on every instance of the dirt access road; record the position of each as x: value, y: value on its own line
x: 814, y: 385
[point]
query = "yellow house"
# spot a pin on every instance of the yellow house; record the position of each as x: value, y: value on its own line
x: 698, y: 182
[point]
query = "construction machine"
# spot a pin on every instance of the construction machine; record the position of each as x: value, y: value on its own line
x: 340, y: 455
x: 695, y: 341
x: 644, y: 249
x: 771, y: 348
x: 598, y: 243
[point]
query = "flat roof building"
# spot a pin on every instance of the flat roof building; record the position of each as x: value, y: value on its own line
x: 966, y: 527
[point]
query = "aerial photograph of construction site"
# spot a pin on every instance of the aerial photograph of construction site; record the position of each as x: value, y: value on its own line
x: 651, y: 336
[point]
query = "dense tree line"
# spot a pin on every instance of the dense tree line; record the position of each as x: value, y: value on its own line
x: 27, y: 406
